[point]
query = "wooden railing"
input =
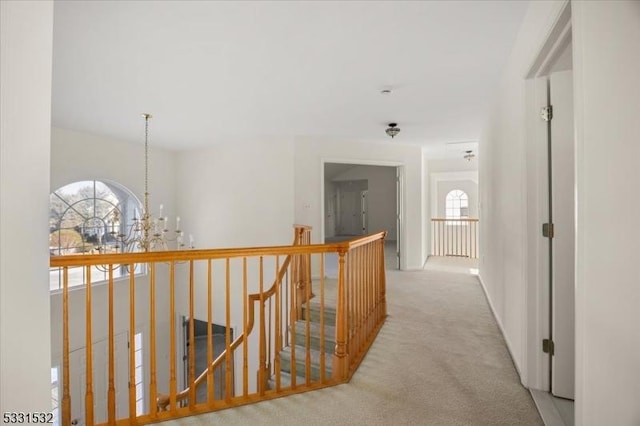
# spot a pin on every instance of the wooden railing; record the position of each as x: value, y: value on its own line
x: 287, y: 336
x: 301, y: 269
x: 454, y: 237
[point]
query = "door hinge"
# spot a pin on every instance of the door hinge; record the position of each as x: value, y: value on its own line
x: 546, y: 113
x: 548, y: 346
x: 547, y: 230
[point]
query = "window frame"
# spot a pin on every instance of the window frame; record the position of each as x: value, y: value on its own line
x: 454, y: 203
x: 128, y: 206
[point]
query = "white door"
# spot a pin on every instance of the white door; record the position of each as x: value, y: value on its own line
x: 350, y: 217
x: 563, y: 245
x: 78, y: 379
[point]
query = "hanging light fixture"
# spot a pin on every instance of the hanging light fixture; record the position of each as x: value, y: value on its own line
x: 392, y: 130
x: 468, y: 155
x: 147, y: 233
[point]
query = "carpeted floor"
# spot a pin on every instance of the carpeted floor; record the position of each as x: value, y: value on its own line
x: 438, y: 360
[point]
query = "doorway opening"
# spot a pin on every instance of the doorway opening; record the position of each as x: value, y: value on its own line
x: 100, y: 354
x: 551, y: 225
x: 218, y: 335
x: 361, y: 199
x: 454, y: 212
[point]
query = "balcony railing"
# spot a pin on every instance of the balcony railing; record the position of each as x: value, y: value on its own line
x: 454, y: 237
x: 288, y: 329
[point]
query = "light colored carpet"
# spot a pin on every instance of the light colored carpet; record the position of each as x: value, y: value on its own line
x: 439, y: 360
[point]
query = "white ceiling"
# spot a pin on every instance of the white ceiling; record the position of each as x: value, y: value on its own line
x: 212, y: 71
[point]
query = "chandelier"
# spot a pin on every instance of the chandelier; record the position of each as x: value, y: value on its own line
x: 147, y: 233
x: 392, y: 130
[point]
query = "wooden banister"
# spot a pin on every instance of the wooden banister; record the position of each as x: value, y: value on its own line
x: 164, y: 400
x: 283, y: 354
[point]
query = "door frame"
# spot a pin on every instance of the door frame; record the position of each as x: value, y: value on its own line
x: 182, y: 327
x: 401, y: 202
x: 364, y: 211
x: 536, y: 323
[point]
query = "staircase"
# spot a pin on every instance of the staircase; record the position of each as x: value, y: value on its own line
x: 318, y: 349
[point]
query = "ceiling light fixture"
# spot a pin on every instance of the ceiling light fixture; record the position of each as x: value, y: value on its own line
x: 468, y: 155
x: 147, y: 233
x: 392, y: 130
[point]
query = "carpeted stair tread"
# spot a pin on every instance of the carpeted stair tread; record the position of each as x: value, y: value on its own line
x: 301, y: 356
x: 314, y: 311
x: 314, y: 332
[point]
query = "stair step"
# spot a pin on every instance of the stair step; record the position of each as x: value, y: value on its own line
x: 301, y: 356
x: 314, y: 331
x: 314, y: 311
x: 285, y: 380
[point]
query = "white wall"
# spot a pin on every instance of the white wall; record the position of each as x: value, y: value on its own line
x: 309, y: 156
x: 606, y: 66
x: 80, y: 156
x: 25, y: 124
x: 502, y: 185
x: 447, y: 165
x: 239, y: 194
x: 606, y: 37
x: 381, y: 196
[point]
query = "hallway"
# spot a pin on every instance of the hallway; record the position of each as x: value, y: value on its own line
x: 438, y: 360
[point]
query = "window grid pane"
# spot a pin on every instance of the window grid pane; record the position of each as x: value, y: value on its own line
x: 85, y: 217
x: 456, y: 205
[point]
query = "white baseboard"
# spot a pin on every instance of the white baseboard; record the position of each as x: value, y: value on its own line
x: 499, y: 322
x: 546, y: 408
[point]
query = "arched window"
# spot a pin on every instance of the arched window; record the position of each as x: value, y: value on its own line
x: 86, y: 217
x: 457, y: 205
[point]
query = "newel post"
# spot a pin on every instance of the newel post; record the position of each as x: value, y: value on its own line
x: 340, y: 367
x: 301, y: 269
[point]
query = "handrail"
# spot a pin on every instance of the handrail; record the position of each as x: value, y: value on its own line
x: 361, y: 241
x: 163, y: 399
x: 188, y: 255
x: 205, y: 254
x: 463, y: 219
